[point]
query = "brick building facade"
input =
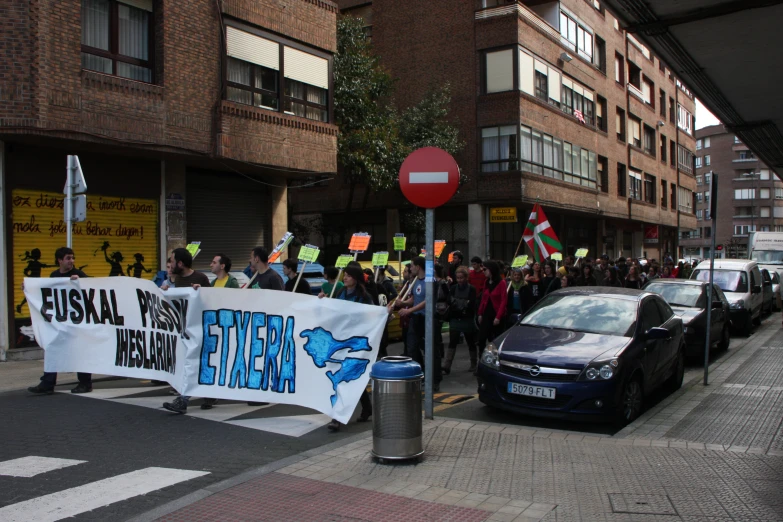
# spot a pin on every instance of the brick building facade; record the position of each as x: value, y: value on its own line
x: 516, y: 83
x: 750, y: 196
x: 206, y: 110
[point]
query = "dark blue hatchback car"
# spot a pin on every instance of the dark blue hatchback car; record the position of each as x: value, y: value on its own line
x: 585, y: 353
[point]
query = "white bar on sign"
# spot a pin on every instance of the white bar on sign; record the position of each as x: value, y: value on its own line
x: 74, y: 501
x: 32, y: 466
x: 428, y: 177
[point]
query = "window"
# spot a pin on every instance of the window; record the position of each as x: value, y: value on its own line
x: 685, y: 197
x: 707, y: 160
x: 649, y: 189
x: 577, y: 100
x: 744, y: 193
x: 577, y: 36
x: 746, y: 155
x: 737, y: 141
x: 620, y: 124
x: 253, y: 76
x: 685, y: 159
x: 764, y: 175
x: 635, y: 185
x: 764, y: 212
x: 635, y: 136
x: 600, y: 114
x: 672, y: 152
x: 698, y: 162
x: 779, y: 193
x: 707, y: 232
x: 764, y: 193
x: 671, y: 110
x: 600, y: 54
x: 499, y: 149
x: 619, y: 68
x: 673, y: 193
x: 648, y: 88
x: 544, y: 154
x: 707, y: 143
x: 743, y: 230
x: 541, y: 82
x: 699, y: 215
x: 684, y: 119
x: 699, y: 197
x: 699, y: 179
x: 663, y: 148
x: 499, y: 71
x: 707, y: 177
x: 603, y: 173
x: 622, y: 182
x: 664, y: 197
x: 662, y: 103
x: 649, y: 140
x: 635, y: 76
x: 699, y: 144
x: 706, y: 196
x: 117, y: 38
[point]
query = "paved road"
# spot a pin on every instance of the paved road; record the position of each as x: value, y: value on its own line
x: 115, y: 438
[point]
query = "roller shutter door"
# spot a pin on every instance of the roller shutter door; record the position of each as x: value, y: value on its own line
x: 229, y: 215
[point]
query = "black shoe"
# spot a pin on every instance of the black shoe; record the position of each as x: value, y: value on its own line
x: 40, y: 390
x: 178, y: 405
x: 208, y: 404
x: 436, y: 388
x: 82, y: 388
x: 446, y: 371
x: 257, y: 403
x: 364, y: 416
x: 333, y: 426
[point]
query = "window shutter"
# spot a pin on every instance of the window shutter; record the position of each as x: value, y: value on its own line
x: 145, y: 5
x: 541, y: 67
x: 568, y: 83
x: 554, y: 84
x: 588, y: 95
x: 500, y: 71
x: 578, y: 90
x: 254, y: 49
x: 526, y: 73
x: 306, y: 68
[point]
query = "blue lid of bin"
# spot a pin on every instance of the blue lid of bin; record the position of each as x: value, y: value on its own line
x: 396, y: 367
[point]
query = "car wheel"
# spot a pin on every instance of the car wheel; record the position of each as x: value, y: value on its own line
x: 747, y: 327
x: 631, y: 400
x: 725, y: 339
x: 675, y: 381
x: 757, y: 320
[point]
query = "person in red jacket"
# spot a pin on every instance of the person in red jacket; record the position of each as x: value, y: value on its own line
x: 492, y: 309
x: 477, y: 279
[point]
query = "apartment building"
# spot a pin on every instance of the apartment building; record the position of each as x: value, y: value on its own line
x: 750, y: 196
x: 190, y: 120
x: 556, y: 104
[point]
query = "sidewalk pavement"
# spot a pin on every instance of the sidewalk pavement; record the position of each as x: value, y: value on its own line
x: 660, y: 468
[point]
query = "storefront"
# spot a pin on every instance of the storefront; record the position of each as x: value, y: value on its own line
x: 118, y: 238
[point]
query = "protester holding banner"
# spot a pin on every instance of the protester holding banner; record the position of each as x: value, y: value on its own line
x: 64, y: 257
x: 520, y: 297
x: 462, y: 319
x: 265, y: 277
x: 221, y: 266
x: 181, y: 267
x: 494, y: 302
x: 290, y: 267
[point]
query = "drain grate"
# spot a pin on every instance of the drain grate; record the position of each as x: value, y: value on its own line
x: 641, y: 504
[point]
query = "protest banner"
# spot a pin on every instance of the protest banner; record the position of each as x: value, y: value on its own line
x: 263, y: 346
x: 360, y: 242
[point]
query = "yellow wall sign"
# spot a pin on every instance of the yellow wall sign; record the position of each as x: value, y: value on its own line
x: 503, y: 215
x: 119, y: 238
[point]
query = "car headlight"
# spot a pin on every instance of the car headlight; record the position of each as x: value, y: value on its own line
x: 600, y: 370
x: 738, y: 304
x: 489, y: 357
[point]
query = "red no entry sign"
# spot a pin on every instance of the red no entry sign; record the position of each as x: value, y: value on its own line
x: 429, y: 177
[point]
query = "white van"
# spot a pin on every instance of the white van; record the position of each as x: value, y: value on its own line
x: 740, y: 280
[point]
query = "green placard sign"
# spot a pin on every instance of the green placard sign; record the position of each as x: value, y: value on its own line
x: 309, y: 253
x: 193, y: 247
x: 343, y: 261
x: 380, y: 259
x: 582, y: 252
x: 519, y: 261
x: 557, y: 256
x: 399, y: 242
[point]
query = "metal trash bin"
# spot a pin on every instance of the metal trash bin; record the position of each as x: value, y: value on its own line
x: 396, y: 398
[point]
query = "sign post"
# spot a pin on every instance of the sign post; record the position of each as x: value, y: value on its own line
x: 429, y: 177
x: 75, y: 207
x: 713, y: 217
x: 307, y: 254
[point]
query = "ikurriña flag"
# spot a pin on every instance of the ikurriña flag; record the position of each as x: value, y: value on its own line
x: 540, y: 236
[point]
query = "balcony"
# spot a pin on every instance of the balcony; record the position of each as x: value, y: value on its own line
x: 491, y: 8
x: 744, y: 160
x: 636, y: 92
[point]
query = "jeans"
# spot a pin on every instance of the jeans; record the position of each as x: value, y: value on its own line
x: 49, y: 379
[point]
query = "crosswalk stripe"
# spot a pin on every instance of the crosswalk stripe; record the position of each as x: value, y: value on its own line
x: 74, y: 501
x: 32, y: 466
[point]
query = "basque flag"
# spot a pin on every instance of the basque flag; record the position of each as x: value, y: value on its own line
x: 540, y: 236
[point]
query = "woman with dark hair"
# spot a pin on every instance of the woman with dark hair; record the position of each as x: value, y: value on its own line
x: 586, y: 278
x: 633, y: 280
x: 494, y: 301
x: 567, y: 281
x: 550, y: 281
x: 462, y: 319
x: 520, y: 297
x: 612, y: 277
x: 666, y: 272
x: 534, y: 280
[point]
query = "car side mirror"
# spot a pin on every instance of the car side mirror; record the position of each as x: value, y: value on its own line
x: 657, y: 334
x: 756, y: 289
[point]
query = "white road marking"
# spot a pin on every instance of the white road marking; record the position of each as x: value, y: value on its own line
x: 294, y: 426
x: 223, y: 412
x: 74, y: 501
x: 111, y: 393
x: 428, y: 177
x: 32, y: 466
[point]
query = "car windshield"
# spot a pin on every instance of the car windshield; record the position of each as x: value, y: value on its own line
x: 768, y: 257
x: 678, y: 294
x: 727, y: 280
x: 585, y: 313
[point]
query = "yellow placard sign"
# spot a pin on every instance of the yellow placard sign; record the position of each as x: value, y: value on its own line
x: 119, y: 238
x: 503, y: 215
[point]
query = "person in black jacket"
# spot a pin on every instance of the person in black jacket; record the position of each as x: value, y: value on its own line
x: 520, y: 297
x: 462, y: 318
